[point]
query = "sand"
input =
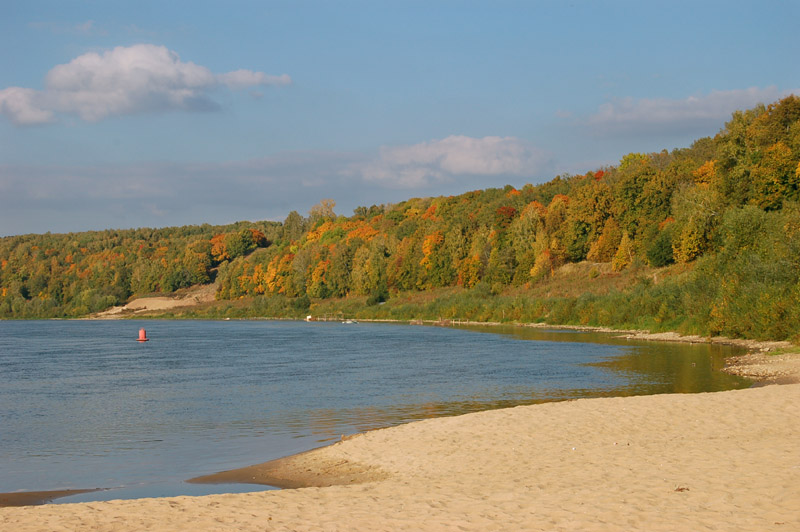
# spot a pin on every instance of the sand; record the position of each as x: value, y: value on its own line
x: 27, y: 498
x: 182, y: 299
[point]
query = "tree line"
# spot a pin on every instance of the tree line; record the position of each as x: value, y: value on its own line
x: 724, y: 210
x: 75, y: 274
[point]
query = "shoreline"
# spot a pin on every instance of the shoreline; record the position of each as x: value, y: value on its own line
x: 143, y: 312
x: 674, y: 462
x: 763, y: 346
x: 33, y: 498
x: 292, y: 472
x: 302, y: 470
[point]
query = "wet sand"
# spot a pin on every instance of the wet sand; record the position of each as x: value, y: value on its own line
x: 303, y: 470
x: 716, y: 461
x: 28, y: 498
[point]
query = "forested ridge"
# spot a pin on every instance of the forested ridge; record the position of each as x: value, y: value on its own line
x: 74, y: 274
x: 707, y: 239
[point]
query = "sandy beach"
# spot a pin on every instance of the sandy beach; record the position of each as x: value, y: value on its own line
x: 718, y: 461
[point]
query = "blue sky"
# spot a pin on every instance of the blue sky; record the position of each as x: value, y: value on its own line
x: 151, y: 114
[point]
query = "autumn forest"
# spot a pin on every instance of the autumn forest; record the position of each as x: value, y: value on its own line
x: 704, y: 239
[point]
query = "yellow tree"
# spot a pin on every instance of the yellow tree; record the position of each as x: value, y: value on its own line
x: 775, y: 177
x: 469, y: 271
x: 624, y: 255
x: 706, y: 174
x: 690, y: 243
x: 604, y: 248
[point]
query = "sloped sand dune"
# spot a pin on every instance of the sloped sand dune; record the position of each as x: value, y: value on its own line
x: 722, y: 461
x: 182, y: 299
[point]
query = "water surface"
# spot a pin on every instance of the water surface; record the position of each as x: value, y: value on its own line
x: 83, y: 405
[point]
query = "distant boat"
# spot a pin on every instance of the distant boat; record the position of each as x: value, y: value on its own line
x: 349, y: 321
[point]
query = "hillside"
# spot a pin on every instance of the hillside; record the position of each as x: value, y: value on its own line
x: 74, y: 274
x: 704, y: 239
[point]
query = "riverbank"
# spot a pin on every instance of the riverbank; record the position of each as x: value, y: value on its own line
x: 186, y: 303
x: 726, y: 461
x: 182, y: 299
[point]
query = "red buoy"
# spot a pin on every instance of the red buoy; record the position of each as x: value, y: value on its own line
x: 142, y: 336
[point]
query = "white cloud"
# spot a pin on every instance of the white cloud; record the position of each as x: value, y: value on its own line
x: 442, y: 161
x: 240, y: 79
x: 22, y: 107
x: 631, y: 115
x: 126, y: 80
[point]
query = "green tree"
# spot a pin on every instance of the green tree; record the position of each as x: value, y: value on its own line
x: 660, y: 250
x: 293, y: 227
x: 634, y: 173
x: 239, y: 243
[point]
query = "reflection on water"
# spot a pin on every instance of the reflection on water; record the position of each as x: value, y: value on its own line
x: 82, y: 404
x: 649, y: 367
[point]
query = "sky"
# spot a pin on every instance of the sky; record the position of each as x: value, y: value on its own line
x: 161, y: 113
